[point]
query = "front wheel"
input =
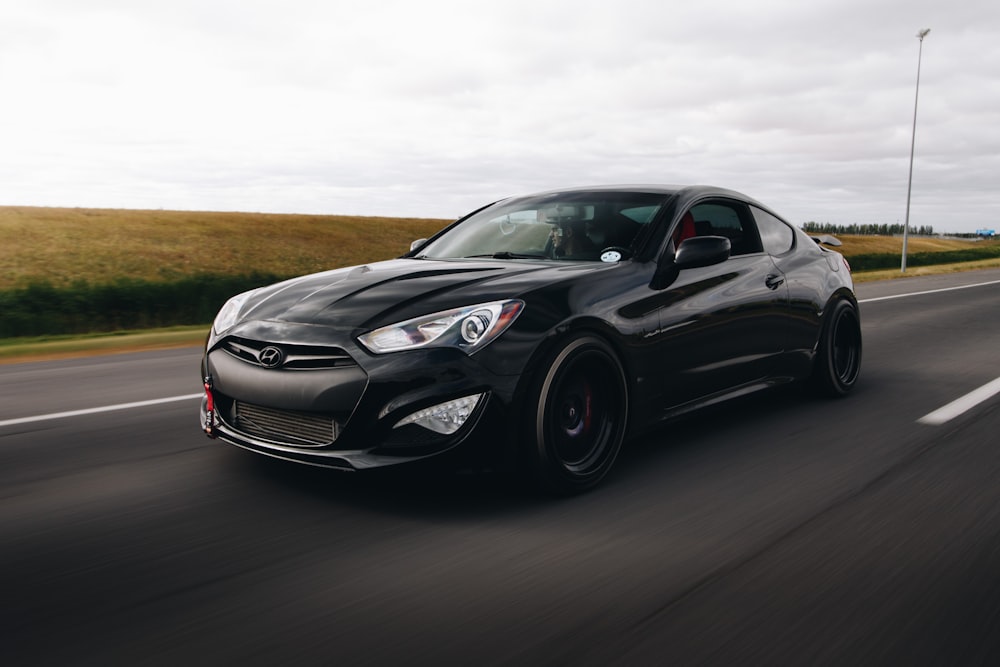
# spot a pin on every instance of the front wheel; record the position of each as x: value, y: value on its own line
x: 838, y: 358
x: 577, y: 425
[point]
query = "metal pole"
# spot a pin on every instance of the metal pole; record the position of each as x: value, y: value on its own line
x: 913, y: 143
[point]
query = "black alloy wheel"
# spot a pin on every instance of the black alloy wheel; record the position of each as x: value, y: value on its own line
x: 838, y: 359
x: 579, y: 422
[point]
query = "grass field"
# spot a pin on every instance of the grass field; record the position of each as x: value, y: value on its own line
x: 67, y: 247
x: 863, y: 245
x: 63, y: 245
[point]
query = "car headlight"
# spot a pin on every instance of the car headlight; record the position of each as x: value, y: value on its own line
x: 469, y: 328
x: 229, y: 313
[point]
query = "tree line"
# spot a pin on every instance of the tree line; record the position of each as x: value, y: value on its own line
x: 865, y: 229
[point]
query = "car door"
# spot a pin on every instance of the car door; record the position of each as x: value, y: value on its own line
x: 722, y: 326
x: 806, y: 273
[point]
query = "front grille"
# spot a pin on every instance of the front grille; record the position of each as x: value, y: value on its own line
x: 302, y: 357
x: 282, y: 426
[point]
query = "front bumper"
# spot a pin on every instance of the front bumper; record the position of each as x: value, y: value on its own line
x: 344, y: 411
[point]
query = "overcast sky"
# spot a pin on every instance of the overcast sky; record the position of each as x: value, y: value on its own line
x: 430, y: 108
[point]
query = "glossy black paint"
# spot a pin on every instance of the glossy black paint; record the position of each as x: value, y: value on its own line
x: 689, y: 327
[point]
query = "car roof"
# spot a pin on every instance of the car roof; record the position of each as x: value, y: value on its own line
x: 685, y: 191
x: 683, y: 196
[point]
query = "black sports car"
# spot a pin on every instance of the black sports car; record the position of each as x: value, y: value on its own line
x: 538, y: 331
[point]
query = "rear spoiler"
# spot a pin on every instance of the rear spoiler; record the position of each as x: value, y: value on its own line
x: 827, y: 240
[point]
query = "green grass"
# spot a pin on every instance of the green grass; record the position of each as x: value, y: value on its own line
x: 933, y: 270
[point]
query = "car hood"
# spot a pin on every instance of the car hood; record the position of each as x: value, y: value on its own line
x: 382, y: 293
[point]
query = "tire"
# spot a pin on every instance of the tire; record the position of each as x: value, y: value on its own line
x: 838, y: 356
x: 575, y: 424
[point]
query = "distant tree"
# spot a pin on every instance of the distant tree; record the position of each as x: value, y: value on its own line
x: 864, y: 229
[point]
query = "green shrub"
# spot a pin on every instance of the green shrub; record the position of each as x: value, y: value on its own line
x: 42, y: 309
x: 878, y: 261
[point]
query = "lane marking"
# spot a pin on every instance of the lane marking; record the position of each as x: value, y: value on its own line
x: 960, y: 405
x: 930, y: 291
x: 93, y: 411
x: 973, y: 398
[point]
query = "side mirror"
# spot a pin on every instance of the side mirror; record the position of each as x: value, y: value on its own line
x: 702, y: 251
x: 693, y: 253
x: 416, y: 245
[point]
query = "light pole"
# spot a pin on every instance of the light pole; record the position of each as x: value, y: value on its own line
x: 913, y: 143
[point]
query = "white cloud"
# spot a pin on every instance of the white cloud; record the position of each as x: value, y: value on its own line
x: 434, y: 108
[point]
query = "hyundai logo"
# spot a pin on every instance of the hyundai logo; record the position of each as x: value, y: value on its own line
x: 270, y: 357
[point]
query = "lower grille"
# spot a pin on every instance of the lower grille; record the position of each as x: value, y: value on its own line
x: 290, y: 428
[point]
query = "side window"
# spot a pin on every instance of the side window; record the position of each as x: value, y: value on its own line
x: 777, y: 237
x: 730, y: 219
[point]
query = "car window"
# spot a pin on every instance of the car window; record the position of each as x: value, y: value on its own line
x: 776, y: 236
x: 575, y: 226
x: 640, y: 214
x: 730, y: 219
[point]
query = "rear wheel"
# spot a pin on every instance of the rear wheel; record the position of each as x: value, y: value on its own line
x: 577, y: 425
x: 838, y: 358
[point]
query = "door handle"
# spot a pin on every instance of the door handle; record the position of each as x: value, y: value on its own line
x: 773, y: 281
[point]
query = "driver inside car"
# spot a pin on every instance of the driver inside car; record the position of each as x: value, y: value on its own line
x: 570, y: 241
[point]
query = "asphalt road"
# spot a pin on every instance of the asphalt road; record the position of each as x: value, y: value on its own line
x: 783, y: 529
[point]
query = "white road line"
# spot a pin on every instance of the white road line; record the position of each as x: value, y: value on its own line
x: 930, y: 291
x: 957, y: 407
x: 92, y: 411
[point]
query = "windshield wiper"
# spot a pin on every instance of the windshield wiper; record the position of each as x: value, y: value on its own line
x: 506, y: 254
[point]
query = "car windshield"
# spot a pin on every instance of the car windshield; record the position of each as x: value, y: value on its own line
x: 580, y: 226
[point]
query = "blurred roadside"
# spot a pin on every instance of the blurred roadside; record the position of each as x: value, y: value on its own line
x: 17, y: 350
